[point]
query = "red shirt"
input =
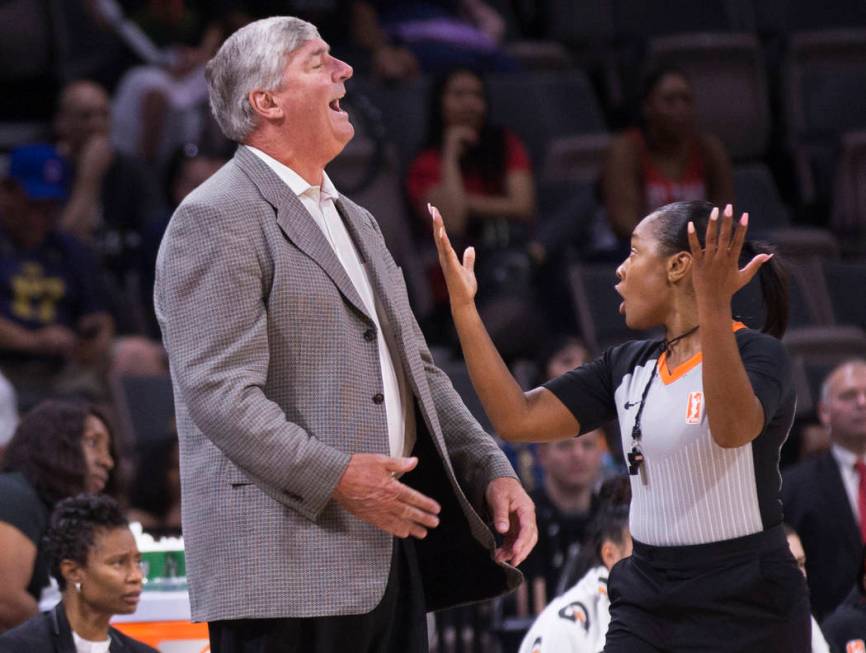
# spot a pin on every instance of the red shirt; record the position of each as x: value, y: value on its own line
x: 426, y: 172
x: 660, y: 189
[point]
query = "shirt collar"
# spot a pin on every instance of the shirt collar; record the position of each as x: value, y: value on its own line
x: 844, y: 458
x: 294, y: 181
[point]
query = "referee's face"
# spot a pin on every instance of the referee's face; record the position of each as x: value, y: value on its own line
x: 643, y: 282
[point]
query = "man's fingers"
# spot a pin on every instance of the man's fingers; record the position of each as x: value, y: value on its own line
x: 526, y: 534
x: 499, y: 504
x: 420, y: 517
x: 417, y: 500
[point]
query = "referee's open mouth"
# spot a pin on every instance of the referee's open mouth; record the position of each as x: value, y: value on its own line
x: 622, y: 303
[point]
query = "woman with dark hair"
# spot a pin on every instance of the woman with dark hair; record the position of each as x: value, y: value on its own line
x: 96, y: 563
x: 60, y: 449
x: 477, y: 172
x: 703, y: 414
x: 480, y: 175
x: 666, y: 158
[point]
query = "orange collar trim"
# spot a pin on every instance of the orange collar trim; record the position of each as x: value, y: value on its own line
x: 668, y: 376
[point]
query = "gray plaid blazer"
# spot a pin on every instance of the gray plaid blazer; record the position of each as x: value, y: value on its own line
x: 274, y: 384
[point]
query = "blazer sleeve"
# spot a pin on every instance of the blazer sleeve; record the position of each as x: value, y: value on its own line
x: 211, y: 284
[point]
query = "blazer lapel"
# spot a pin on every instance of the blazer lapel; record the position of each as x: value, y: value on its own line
x: 298, y: 225
x: 379, y: 275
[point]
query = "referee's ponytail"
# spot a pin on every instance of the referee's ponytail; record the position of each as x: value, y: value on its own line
x: 671, y: 231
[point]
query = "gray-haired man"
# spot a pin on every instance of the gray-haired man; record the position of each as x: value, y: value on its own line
x: 303, y: 385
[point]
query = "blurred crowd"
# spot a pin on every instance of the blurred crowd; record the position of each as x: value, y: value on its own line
x: 542, y: 130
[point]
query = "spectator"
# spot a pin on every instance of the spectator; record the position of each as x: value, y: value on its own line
x: 559, y: 354
x: 55, y: 332
x: 819, y: 644
x: 825, y: 497
x: 665, y: 159
x: 95, y: 561
x: 161, y: 105
x: 430, y: 36
x: 845, y: 628
x: 480, y: 174
x: 577, y: 621
x: 154, y: 496
x: 59, y: 450
x: 564, y: 507
x: 113, y: 195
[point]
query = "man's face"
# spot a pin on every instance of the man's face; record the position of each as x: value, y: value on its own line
x: 28, y: 222
x: 843, y: 410
x: 573, y: 464
x: 309, y: 97
x: 85, y: 111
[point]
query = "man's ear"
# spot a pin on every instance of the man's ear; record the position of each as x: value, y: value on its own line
x: 263, y: 104
x: 679, y: 265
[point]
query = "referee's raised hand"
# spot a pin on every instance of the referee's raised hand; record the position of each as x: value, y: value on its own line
x: 459, y: 277
x: 716, y: 272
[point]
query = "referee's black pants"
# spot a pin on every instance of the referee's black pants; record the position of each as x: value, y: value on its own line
x: 397, y: 625
x: 744, y: 595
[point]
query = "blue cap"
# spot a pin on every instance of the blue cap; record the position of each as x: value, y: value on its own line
x: 40, y: 171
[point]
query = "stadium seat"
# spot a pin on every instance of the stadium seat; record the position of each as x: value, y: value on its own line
x: 823, y: 80
x: 542, y: 106
x: 578, y: 157
x: 728, y: 76
x: 846, y: 283
x: 643, y: 20
x: 849, y: 195
x: 787, y: 16
x: 755, y: 191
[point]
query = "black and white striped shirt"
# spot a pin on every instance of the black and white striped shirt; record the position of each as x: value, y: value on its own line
x: 690, y: 490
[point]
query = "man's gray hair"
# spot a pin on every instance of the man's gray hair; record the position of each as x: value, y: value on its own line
x: 253, y: 58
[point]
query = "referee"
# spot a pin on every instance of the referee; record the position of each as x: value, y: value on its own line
x: 703, y: 415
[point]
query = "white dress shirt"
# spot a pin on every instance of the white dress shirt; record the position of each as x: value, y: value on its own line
x: 320, y: 203
x: 850, y: 478
x: 86, y: 646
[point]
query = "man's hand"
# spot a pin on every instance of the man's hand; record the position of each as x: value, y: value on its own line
x: 95, y: 158
x: 514, y: 518
x: 370, y: 491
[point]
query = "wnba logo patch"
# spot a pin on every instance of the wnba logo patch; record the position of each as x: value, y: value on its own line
x: 695, y: 409
x: 855, y: 646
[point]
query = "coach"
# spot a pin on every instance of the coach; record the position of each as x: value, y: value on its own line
x: 314, y: 426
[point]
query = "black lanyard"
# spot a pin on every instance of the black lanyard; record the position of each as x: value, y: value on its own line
x: 635, y: 456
